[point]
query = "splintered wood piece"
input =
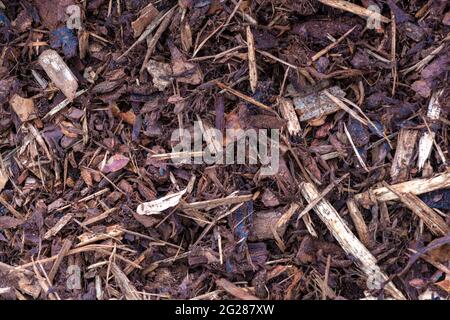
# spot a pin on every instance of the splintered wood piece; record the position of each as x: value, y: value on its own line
x: 309, y: 224
x: 331, y: 46
x: 417, y: 187
x: 148, y: 30
x: 210, y: 135
x: 98, y: 218
x: 10, y: 208
x: 234, y: 290
x: 283, y: 221
x: 147, y: 15
x: 327, y: 190
x: 214, y: 203
x: 243, y: 96
x: 406, y: 143
x: 358, y: 220
x: 62, y: 105
x: 111, y: 232
x: 431, y: 219
x: 358, y: 156
x: 422, y: 63
x: 263, y: 222
x: 317, y: 105
x: 151, y: 45
x: 434, y: 108
x: 353, y: 8
x: 425, y: 146
x: 252, y: 67
x: 83, y: 43
x: 340, y: 103
x: 427, y: 139
x: 58, y: 226
x: 67, y: 244
x: 125, y: 285
x: 58, y: 71
x: 288, y: 113
x: 349, y: 243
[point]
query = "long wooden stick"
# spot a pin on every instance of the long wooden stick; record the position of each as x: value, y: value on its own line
x: 353, y: 8
x: 431, y: 219
x: 244, y: 97
x: 417, y: 186
x: 331, y: 46
x: 350, y: 243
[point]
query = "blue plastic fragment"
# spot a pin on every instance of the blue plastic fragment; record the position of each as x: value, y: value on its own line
x: 65, y: 39
x: 4, y: 21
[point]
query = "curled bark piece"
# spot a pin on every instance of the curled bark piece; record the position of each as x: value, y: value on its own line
x: 159, y: 205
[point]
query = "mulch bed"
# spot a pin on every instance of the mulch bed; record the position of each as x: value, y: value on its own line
x: 93, y: 205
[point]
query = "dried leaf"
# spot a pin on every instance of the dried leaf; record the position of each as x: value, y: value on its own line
x: 421, y: 87
x: 183, y: 70
x: 161, y: 204
x: 68, y: 129
x: 115, y: 163
x: 269, y: 199
x: 87, y: 177
x: 161, y: 74
x: 186, y: 36
x: 146, y: 17
x: 23, y: 107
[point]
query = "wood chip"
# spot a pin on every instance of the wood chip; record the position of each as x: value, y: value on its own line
x: 288, y: 113
x: 58, y: 226
x: 317, y: 105
x: 58, y: 71
x: 404, y: 153
x: 358, y: 221
x: 147, y: 15
x: 67, y: 244
x: 427, y: 139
